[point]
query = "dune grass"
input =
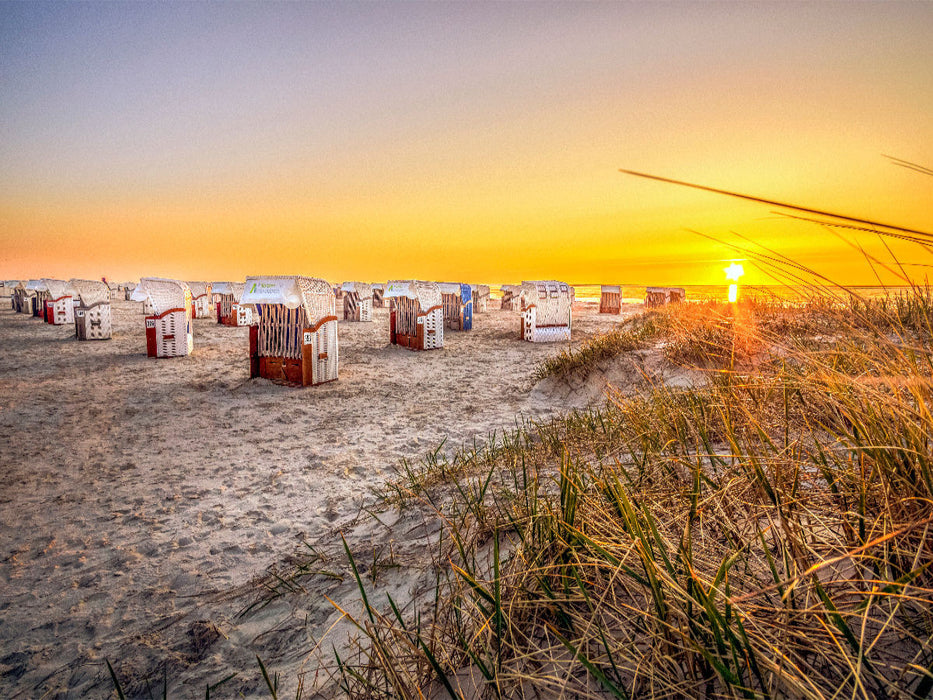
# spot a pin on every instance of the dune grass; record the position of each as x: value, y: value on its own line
x: 767, y: 535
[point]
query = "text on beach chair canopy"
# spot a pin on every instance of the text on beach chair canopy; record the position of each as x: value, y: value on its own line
x: 427, y: 294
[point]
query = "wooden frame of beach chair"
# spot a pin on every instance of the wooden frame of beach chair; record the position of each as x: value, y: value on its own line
x: 610, y: 299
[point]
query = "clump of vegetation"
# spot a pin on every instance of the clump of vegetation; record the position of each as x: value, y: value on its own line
x: 634, y: 334
x: 767, y: 535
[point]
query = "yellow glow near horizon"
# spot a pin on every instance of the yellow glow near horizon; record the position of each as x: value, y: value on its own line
x: 460, y: 141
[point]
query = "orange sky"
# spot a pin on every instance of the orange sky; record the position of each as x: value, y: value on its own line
x: 475, y: 142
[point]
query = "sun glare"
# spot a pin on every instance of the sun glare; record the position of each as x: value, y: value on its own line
x: 733, y: 272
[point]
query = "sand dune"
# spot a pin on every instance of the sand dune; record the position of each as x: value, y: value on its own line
x: 141, y: 497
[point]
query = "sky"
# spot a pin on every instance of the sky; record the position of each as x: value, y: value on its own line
x: 478, y: 142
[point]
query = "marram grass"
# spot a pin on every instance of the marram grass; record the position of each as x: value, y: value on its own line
x: 766, y: 535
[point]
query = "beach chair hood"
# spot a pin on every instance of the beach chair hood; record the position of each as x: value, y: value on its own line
x: 427, y: 294
x: 90, y: 292
x: 363, y: 289
x: 198, y: 289
x: 551, y: 298
x: 163, y: 294
x: 315, y: 295
x: 233, y: 288
x: 56, y: 288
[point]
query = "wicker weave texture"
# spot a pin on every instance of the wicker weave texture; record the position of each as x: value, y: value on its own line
x: 319, y: 301
x: 173, y: 335
x: 162, y: 294
x: 56, y: 288
x: 244, y: 314
x: 536, y: 332
x: 427, y: 294
x: 89, y: 292
x: 551, y: 299
x: 433, y: 329
x: 93, y: 322
x: 325, y: 353
x: 63, y: 312
x: 364, y: 290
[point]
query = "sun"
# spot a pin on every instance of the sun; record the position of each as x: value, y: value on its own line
x: 734, y: 271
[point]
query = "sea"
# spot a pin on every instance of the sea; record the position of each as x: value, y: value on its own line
x: 635, y: 294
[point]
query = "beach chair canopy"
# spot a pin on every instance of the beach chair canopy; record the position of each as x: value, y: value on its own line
x: 233, y: 288
x: 90, y: 291
x: 449, y: 288
x: 480, y: 289
x: 198, y: 288
x: 56, y: 288
x: 378, y: 285
x: 163, y: 294
x: 551, y: 299
x: 33, y: 285
x: 315, y: 295
x: 463, y: 292
x: 427, y: 294
x: 364, y: 289
x: 610, y: 289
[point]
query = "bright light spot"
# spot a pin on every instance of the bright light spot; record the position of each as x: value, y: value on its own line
x: 734, y: 271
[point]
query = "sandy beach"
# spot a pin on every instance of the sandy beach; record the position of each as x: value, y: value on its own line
x: 143, y: 499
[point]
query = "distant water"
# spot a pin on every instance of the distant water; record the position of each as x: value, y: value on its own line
x: 635, y: 294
